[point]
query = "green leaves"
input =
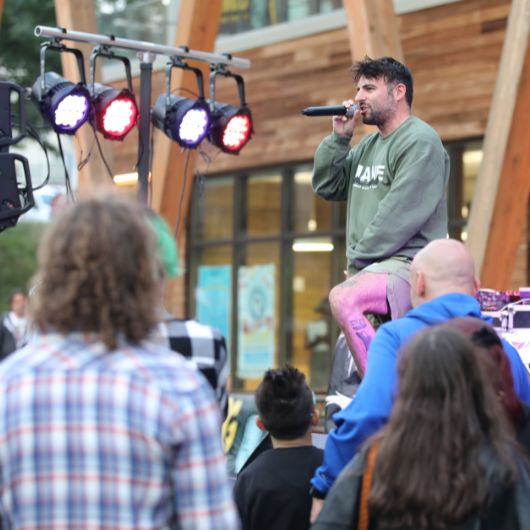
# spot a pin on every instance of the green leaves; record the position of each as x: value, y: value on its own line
x: 19, y: 57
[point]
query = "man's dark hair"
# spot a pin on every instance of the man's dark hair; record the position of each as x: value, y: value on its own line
x: 285, y: 403
x: 392, y: 71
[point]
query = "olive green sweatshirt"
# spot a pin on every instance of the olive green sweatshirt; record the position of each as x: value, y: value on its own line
x: 395, y: 188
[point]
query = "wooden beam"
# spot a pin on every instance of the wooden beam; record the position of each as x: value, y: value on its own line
x: 1, y: 10
x: 80, y: 16
x: 511, y: 200
x: 372, y: 29
x: 172, y: 170
x: 502, y: 189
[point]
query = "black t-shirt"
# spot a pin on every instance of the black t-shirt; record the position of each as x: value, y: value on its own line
x: 272, y: 493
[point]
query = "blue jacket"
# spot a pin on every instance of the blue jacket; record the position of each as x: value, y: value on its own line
x: 371, y: 406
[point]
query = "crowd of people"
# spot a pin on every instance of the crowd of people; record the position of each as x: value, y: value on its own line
x: 111, y: 408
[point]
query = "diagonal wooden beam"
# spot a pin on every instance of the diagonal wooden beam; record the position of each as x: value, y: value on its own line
x: 80, y: 16
x: 172, y: 170
x: 372, y: 29
x: 502, y: 190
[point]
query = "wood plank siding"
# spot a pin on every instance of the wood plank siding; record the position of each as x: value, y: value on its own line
x: 453, y: 51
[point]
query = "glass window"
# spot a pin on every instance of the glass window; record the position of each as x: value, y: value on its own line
x: 263, y: 204
x: 211, y: 276
x: 243, y: 15
x: 269, y: 267
x: 214, y: 215
x: 311, y: 213
x: 312, y: 327
x: 466, y: 157
x: 258, y: 313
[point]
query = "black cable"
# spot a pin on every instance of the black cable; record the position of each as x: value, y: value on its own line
x: 105, y: 163
x: 182, y: 190
x: 85, y: 160
x: 67, y: 181
x: 35, y: 135
x: 149, y: 180
x: 149, y: 163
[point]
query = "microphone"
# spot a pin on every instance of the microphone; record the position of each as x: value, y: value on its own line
x: 331, y: 110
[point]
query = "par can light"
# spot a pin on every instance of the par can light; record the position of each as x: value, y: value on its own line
x: 115, y: 110
x: 231, y: 127
x: 64, y: 104
x: 184, y: 120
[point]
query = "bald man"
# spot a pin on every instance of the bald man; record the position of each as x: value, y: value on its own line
x: 443, y: 286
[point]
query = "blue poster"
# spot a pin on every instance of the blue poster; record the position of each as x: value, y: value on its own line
x: 213, y: 298
x: 256, y: 323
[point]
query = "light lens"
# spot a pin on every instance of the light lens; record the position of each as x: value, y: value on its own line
x: 65, y: 105
x: 116, y: 111
x: 71, y: 112
x: 119, y: 117
x: 231, y: 127
x: 237, y: 132
x: 194, y: 126
x: 184, y: 120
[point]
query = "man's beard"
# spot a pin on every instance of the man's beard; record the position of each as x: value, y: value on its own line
x: 377, y: 117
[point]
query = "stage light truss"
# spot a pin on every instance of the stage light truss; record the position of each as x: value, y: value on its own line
x: 113, y: 112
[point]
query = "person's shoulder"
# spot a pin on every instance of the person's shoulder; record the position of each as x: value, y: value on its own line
x: 422, y: 130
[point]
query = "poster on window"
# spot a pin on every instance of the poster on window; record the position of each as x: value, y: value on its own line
x: 213, y: 298
x: 255, y: 320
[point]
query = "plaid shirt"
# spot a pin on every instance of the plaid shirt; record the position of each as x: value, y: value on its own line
x: 92, y: 439
x: 205, y: 347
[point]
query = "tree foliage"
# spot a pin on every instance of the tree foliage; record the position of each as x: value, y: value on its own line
x: 19, y: 60
x: 18, y: 258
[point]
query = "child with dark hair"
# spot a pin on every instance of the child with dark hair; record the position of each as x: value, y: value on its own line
x: 273, y: 491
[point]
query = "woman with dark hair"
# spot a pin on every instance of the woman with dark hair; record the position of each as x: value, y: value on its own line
x: 447, y: 458
x: 488, y: 343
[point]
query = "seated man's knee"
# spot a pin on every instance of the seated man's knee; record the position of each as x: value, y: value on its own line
x: 344, y: 298
x: 359, y: 296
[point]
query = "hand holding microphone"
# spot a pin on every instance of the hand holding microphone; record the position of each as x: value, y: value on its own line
x: 343, y: 116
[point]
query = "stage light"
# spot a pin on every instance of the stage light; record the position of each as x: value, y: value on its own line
x: 182, y: 119
x: 115, y: 110
x: 231, y: 127
x: 66, y: 105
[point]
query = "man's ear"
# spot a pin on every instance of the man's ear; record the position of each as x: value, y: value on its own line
x: 260, y: 424
x: 400, y: 90
x: 315, y: 417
